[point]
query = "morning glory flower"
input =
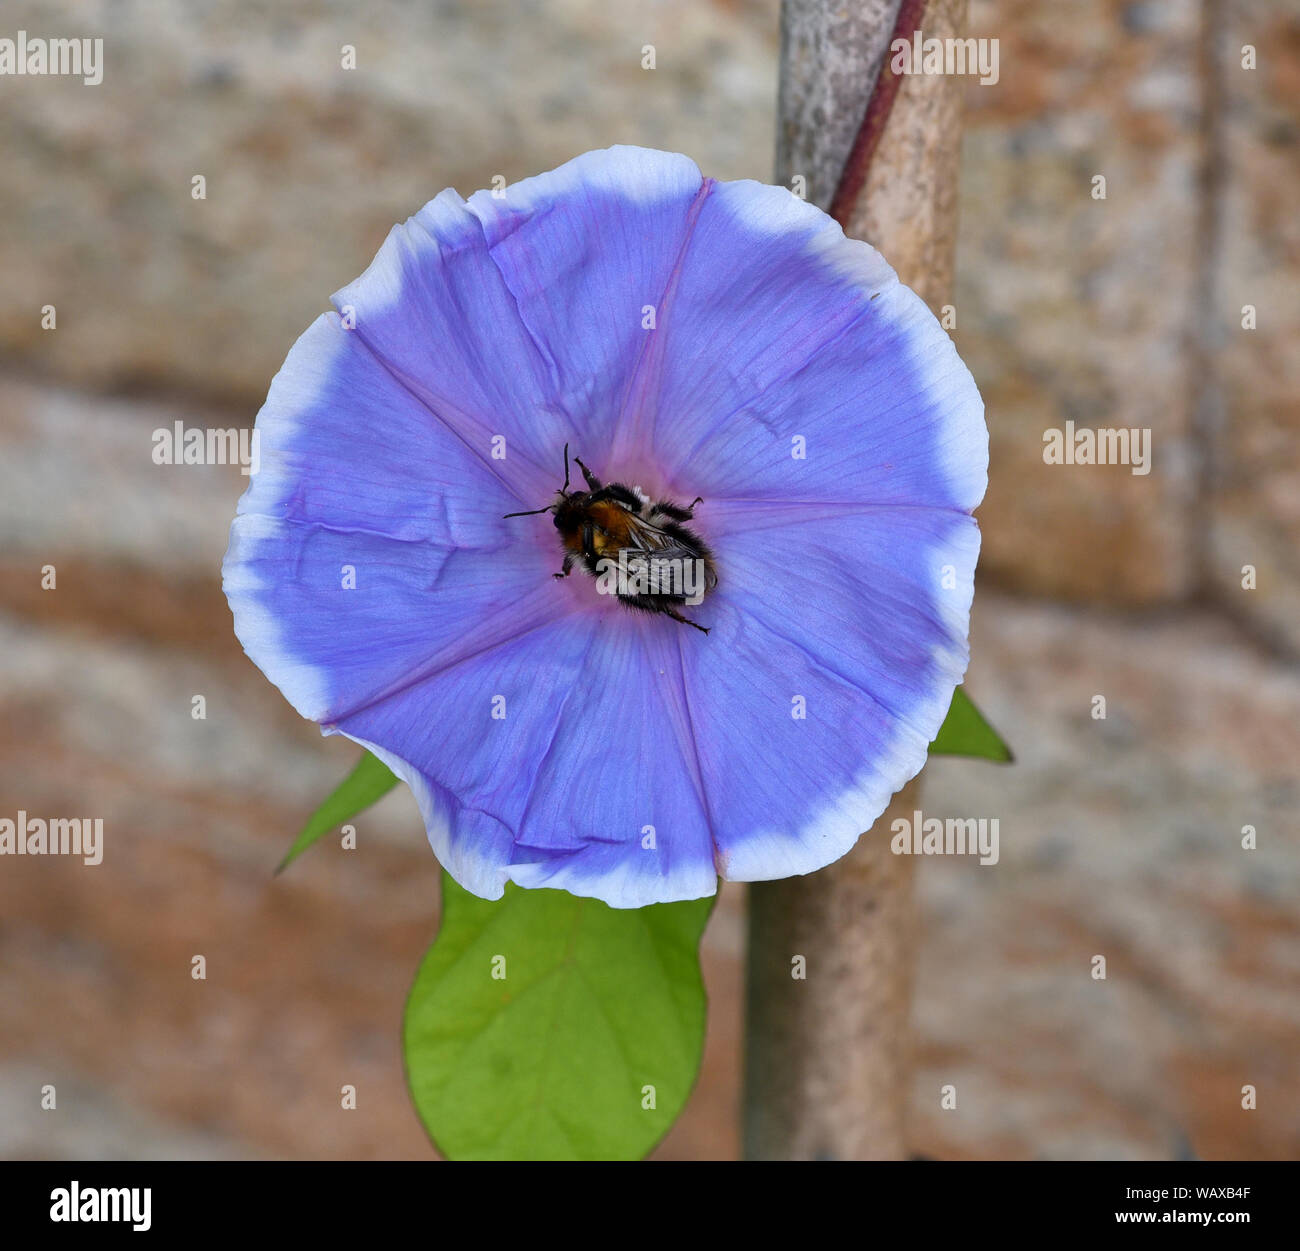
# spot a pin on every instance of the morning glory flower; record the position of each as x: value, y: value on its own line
x: 685, y: 339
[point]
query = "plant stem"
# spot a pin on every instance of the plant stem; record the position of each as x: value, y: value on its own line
x: 827, y: 1069
x: 858, y: 162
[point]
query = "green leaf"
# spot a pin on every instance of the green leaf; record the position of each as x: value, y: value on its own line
x: 552, y: 1060
x: 965, y: 733
x: 369, y: 781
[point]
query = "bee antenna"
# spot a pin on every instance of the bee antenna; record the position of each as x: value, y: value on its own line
x: 532, y: 512
x: 565, y: 489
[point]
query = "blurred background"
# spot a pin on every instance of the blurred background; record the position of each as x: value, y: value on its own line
x: 1119, y: 837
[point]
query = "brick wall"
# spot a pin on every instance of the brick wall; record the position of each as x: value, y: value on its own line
x: 1119, y: 836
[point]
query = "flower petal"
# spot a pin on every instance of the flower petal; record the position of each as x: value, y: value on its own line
x: 561, y: 760
x: 519, y: 313
x: 835, y: 647
x: 724, y: 340
x: 810, y: 338
x: 436, y: 311
x: 590, y: 253
x: 370, y: 535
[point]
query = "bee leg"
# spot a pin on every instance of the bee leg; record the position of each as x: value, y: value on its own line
x: 593, y: 482
x: 567, y: 567
x: 668, y: 509
x: 676, y: 616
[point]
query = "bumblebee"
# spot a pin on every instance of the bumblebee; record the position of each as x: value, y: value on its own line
x: 639, y: 550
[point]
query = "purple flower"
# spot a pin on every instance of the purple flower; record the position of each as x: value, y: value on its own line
x: 685, y: 337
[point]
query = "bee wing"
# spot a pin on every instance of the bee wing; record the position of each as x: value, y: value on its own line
x: 671, y: 553
x: 646, y: 536
x: 660, y: 551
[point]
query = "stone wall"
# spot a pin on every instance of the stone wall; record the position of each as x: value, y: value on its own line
x: 1254, y: 492
x: 308, y: 164
x: 1120, y: 836
x: 1127, y: 311
x: 1123, y: 311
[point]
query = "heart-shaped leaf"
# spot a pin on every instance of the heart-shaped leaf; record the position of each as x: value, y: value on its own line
x: 547, y: 1026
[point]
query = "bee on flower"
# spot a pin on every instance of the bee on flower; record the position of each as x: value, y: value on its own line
x: 780, y: 651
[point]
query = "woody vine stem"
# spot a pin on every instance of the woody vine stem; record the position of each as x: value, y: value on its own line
x: 827, y: 1054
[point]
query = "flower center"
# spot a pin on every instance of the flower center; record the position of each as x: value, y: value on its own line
x: 640, y: 550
